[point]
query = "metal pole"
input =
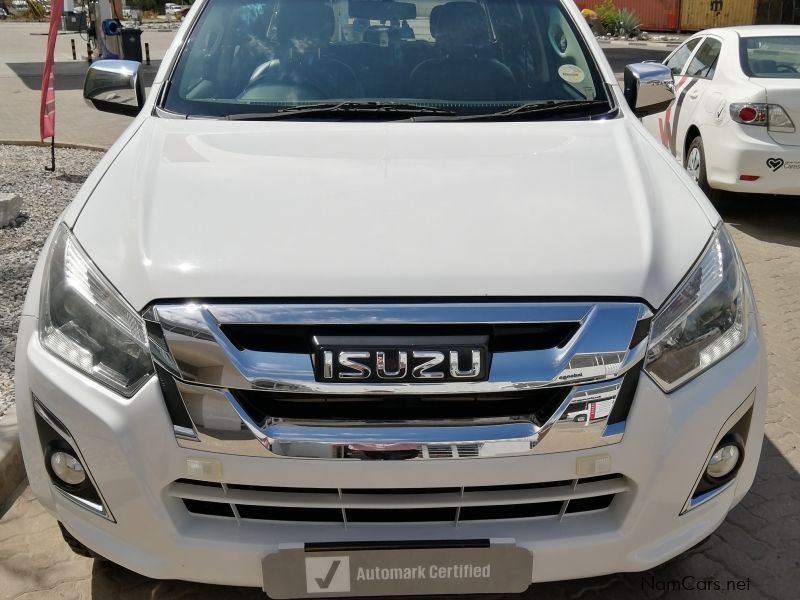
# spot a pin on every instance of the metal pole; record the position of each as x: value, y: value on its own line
x: 52, y: 154
x: 147, y: 53
x: 72, y: 43
x: 89, y: 52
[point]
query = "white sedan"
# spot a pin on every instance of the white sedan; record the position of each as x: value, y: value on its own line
x: 734, y: 122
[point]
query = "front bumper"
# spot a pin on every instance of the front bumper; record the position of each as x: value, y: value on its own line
x: 130, y: 449
x: 734, y: 150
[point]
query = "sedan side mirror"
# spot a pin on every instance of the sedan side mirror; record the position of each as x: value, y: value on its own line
x: 649, y: 88
x: 115, y: 86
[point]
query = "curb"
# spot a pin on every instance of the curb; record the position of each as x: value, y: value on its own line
x: 57, y: 33
x: 63, y: 145
x: 12, y: 470
x: 638, y: 43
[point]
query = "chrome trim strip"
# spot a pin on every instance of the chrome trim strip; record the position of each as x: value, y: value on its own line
x: 184, y: 432
x: 102, y: 509
x: 204, y: 355
x: 83, y: 503
x: 279, y: 434
x: 50, y: 420
x: 401, y: 314
x: 709, y: 495
x: 418, y: 440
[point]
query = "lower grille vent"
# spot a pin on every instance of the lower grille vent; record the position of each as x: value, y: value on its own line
x: 404, y: 505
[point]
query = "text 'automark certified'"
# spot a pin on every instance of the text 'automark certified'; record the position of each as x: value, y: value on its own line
x: 298, y: 573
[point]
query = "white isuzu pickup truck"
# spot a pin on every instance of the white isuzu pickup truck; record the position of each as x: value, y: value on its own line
x: 322, y: 319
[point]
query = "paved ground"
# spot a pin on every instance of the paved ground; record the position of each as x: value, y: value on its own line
x: 758, y: 547
x: 22, y: 49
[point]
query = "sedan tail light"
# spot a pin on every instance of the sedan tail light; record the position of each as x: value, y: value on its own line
x: 773, y: 116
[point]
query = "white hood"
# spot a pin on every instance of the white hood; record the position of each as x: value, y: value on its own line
x: 210, y: 209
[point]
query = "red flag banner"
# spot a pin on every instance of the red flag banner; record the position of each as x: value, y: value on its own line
x: 47, y: 112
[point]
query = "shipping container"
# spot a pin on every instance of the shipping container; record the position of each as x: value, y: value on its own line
x: 703, y: 14
x: 655, y: 15
x: 769, y: 12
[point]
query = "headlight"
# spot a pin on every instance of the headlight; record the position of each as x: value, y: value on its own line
x: 705, y: 319
x: 85, y: 322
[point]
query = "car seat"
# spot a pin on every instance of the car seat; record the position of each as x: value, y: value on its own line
x: 462, y: 72
x: 304, y: 30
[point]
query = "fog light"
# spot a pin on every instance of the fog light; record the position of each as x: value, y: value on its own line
x: 67, y: 468
x: 723, y: 461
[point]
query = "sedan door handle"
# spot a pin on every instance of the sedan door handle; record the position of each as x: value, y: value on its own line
x: 694, y: 95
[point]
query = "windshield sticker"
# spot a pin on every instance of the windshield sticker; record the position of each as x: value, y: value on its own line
x: 571, y: 73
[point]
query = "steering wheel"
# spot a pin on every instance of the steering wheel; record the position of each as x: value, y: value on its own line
x: 785, y: 68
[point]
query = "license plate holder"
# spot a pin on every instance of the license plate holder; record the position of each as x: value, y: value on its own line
x: 392, y: 569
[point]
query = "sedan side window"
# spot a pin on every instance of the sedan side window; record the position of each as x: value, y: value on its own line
x: 677, y: 61
x: 704, y: 62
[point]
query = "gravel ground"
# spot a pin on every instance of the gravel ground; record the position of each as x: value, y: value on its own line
x: 44, y: 196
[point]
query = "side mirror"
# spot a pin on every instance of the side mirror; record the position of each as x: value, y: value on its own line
x: 115, y: 86
x: 649, y: 88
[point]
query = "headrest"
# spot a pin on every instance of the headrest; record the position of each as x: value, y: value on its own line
x: 764, y: 65
x: 460, y: 24
x: 301, y: 19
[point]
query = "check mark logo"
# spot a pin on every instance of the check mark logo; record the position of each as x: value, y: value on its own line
x: 326, y: 582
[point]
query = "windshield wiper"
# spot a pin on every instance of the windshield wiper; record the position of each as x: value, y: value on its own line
x: 539, y: 109
x: 343, y: 109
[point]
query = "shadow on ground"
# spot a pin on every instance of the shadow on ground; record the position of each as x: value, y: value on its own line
x: 68, y: 75
x: 739, y: 560
x: 774, y: 219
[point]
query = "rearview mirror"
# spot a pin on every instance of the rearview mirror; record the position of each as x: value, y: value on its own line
x: 649, y: 88
x: 382, y: 11
x: 115, y: 86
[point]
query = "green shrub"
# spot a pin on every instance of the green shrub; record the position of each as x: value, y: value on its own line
x: 607, y: 14
x: 628, y: 23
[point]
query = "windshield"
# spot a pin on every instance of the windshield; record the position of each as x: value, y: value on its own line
x: 465, y: 57
x: 772, y: 57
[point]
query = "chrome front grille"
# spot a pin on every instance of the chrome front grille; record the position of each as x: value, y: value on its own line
x: 553, y: 499
x: 238, y: 379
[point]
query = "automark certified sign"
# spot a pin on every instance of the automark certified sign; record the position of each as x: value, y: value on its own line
x: 327, y: 574
x: 297, y: 573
